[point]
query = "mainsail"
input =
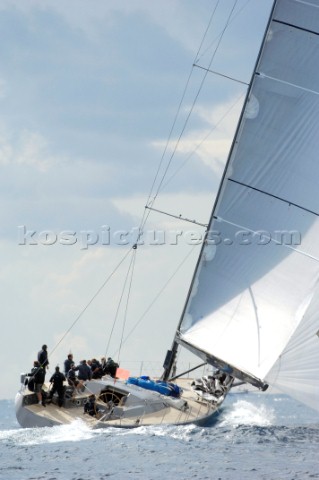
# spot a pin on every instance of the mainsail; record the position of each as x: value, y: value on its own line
x: 253, y: 306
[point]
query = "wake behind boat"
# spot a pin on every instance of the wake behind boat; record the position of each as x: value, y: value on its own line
x: 252, y: 308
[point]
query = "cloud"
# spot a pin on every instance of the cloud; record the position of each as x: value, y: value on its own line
x: 29, y: 149
x: 82, y: 121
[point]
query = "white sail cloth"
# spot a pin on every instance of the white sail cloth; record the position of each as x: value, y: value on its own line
x: 254, y: 300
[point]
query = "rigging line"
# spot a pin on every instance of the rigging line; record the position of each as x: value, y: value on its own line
x: 202, y: 141
x: 119, y: 305
x: 157, y: 296
x: 215, y: 39
x: 221, y: 75
x: 149, y: 201
x: 91, y: 300
x: 126, y: 306
x: 176, y: 116
x: 194, y: 102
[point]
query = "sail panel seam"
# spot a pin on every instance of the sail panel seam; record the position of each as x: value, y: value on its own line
x: 297, y: 27
x: 274, y: 196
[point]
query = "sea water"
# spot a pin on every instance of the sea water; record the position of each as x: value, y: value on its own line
x: 255, y: 436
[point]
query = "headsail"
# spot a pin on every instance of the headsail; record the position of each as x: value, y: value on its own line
x: 253, y: 304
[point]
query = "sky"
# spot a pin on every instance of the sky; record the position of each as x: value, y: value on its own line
x: 89, y: 91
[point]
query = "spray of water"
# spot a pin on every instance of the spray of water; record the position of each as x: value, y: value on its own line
x: 246, y: 413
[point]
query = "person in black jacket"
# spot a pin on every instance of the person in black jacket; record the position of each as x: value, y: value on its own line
x: 90, y: 406
x: 110, y: 367
x: 85, y: 372
x: 57, y: 380
x: 43, y: 358
x: 37, y: 376
x: 96, y: 368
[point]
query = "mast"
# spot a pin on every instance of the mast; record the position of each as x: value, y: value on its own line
x: 171, y: 354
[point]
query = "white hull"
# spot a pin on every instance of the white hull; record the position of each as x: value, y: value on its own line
x: 119, y: 405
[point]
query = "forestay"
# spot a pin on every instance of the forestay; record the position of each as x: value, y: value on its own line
x: 253, y: 304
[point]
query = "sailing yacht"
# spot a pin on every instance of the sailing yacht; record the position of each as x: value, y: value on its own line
x: 252, y: 308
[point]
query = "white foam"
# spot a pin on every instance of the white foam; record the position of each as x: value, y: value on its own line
x: 246, y: 413
x: 179, y: 432
x: 72, y: 432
